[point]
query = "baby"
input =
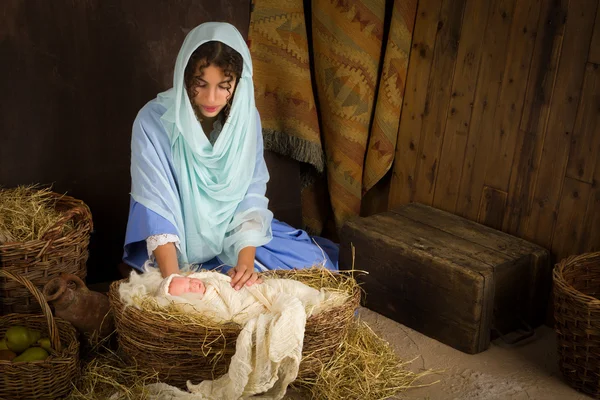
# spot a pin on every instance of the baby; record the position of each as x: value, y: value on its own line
x: 273, y: 315
x: 211, y: 294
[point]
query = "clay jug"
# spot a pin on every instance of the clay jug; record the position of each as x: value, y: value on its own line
x: 87, y: 310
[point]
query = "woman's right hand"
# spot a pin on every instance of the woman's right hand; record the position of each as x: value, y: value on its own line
x: 243, y: 275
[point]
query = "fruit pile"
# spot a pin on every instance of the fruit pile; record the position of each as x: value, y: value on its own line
x: 24, y: 344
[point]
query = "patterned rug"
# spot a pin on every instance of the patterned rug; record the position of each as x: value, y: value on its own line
x: 359, y: 92
x: 282, y: 80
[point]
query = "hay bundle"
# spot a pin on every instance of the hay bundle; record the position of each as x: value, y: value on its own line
x: 28, y: 213
x: 42, y: 234
x: 107, y: 376
x: 365, y: 367
x: 183, y: 347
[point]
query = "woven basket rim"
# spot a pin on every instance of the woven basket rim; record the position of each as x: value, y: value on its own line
x: 559, y: 279
x: 114, y: 290
x: 84, y: 216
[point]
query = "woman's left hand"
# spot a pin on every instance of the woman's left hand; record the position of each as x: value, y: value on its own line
x: 243, y: 274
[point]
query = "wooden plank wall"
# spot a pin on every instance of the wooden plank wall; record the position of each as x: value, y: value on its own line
x: 501, y: 120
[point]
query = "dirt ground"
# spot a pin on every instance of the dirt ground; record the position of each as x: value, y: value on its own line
x: 529, y: 371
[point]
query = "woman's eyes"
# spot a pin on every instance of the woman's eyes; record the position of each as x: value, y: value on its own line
x: 227, y: 87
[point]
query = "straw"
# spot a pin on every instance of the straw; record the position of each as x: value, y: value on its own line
x: 27, y: 213
x: 108, y: 376
x: 365, y: 367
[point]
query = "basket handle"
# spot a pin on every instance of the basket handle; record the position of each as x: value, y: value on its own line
x: 56, y: 231
x: 52, y: 328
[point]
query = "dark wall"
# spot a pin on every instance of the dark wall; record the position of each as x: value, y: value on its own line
x: 73, y: 76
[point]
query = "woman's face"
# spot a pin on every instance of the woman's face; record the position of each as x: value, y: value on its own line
x: 212, y: 90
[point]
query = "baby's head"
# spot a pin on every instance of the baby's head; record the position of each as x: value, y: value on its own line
x: 183, y: 284
x: 178, y: 285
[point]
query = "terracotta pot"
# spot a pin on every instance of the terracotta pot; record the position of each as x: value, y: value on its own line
x: 87, y: 310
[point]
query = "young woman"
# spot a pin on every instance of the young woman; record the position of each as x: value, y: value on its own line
x: 199, y: 176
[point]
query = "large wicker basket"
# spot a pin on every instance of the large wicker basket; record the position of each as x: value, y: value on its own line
x: 41, y: 260
x: 48, y: 379
x: 179, y: 352
x: 577, y: 320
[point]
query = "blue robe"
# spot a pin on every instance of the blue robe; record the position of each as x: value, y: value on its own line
x: 289, y: 248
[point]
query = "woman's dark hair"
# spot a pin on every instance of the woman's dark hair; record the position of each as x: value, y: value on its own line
x: 216, y: 54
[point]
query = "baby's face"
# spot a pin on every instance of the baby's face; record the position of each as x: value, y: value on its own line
x: 180, y: 285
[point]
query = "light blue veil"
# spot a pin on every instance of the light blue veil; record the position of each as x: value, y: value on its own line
x: 210, y: 205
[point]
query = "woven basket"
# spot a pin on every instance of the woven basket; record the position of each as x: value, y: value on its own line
x: 180, y: 352
x: 41, y: 260
x: 48, y: 379
x: 577, y: 320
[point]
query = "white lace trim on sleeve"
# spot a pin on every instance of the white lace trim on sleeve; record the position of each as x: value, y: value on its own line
x: 152, y: 242
x: 254, y: 224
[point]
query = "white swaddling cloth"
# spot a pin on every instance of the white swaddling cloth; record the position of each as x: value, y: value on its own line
x: 269, y: 347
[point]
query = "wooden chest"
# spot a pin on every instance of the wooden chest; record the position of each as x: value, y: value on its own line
x: 447, y: 277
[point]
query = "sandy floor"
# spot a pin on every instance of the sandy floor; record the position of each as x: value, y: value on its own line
x: 529, y: 371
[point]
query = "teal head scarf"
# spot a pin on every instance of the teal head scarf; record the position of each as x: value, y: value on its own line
x: 212, y: 180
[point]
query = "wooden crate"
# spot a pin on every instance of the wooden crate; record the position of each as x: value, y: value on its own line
x: 448, y: 277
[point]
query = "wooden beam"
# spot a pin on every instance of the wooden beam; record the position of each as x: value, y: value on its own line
x: 470, y: 49
x: 568, y: 232
x: 591, y: 228
x: 585, y: 143
x: 479, y: 141
x: 409, y: 132
x: 563, y: 110
x: 512, y: 94
x: 594, y: 56
x: 438, y: 98
x: 528, y: 149
x: 491, y: 210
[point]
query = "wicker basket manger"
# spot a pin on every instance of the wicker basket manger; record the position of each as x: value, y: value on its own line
x: 577, y: 320
x: 183, y: 350
x: 46, y: 379
x: 41, y: 260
